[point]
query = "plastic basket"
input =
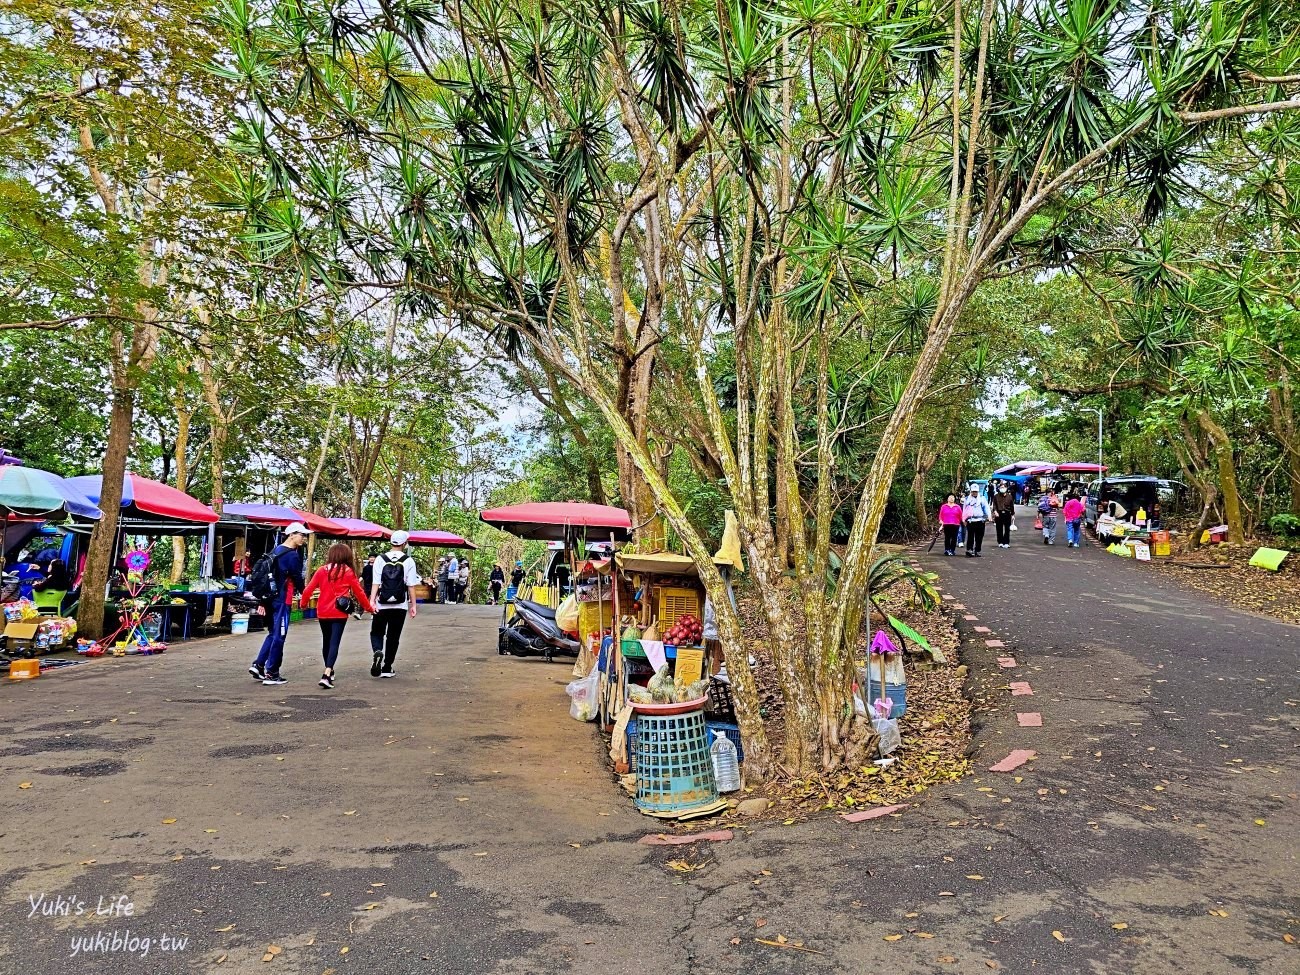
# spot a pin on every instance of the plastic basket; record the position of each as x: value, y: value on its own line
x: 721, y: 705
x: 897, y: 695
x: 732, y: 731
x: 674, y: 772
x: 674, y: 603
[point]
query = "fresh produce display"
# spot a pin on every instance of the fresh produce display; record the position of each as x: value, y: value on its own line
x: 688, y: 630
x: 664, y: 689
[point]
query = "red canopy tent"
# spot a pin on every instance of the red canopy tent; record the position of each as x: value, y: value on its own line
x: 558, y: 520
x: 148, y: 500
x: 440, y: 539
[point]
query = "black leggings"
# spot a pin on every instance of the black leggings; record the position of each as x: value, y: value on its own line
x: 950, y: 538
x: 331, y: 635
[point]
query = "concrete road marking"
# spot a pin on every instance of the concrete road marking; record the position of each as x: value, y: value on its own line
x: 1021, y: 688
x: 1029, y: 719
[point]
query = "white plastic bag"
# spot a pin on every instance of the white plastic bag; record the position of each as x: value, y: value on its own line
x: 710, y: 620
x: 582, y: 696
x: 890, y: 737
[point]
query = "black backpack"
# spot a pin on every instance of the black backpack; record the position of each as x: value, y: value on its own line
x: 392, y: 580
x: 261, y: 581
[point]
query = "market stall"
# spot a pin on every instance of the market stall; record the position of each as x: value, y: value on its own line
x: 151, y: 509
x: 35, y: 624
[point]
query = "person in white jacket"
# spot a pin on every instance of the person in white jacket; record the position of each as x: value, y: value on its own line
x: 974, y: 515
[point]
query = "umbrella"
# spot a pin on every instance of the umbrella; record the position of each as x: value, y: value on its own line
x: 149, y: 500
x: 28, y: 492
x: 555, y: 520
x: 440, y: 539
x: 357, y: 528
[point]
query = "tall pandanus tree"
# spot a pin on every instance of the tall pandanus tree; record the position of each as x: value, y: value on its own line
x: 632, y: 187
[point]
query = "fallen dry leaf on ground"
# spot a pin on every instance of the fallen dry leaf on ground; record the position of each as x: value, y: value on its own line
x: 228, y: 927
x: 892, y: 937
x: 1055, y: 934
x: 168, y: 822
x: 1120, y: 927
x: 28, y: 785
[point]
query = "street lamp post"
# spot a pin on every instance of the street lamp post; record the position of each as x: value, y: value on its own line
x: 1093, y: 409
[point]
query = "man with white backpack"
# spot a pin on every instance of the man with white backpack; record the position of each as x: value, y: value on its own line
x: 392, y: 593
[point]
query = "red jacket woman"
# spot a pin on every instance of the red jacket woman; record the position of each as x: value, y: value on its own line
x: 333, y: 580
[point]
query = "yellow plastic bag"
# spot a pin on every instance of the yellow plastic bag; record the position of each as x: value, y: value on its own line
x: 566, y: 614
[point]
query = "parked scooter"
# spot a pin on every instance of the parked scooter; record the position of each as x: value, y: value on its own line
x: 533, y: 632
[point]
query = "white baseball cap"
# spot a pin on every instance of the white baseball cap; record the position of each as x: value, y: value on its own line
x: 400, y: 538
x: 297, y: 528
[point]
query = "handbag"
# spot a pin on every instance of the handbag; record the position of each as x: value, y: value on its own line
x: 344, y: 604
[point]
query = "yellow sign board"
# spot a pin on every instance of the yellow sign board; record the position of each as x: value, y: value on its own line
x: 690, y: 665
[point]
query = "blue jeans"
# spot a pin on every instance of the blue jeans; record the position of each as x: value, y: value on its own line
x: 1049, y: 527
x: 277, y: 628
x: 1074, y: 531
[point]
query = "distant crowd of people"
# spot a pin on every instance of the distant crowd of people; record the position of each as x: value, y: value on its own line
x: 967, y: 519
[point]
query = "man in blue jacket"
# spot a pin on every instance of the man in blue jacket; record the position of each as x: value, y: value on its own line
x: 287, y: 581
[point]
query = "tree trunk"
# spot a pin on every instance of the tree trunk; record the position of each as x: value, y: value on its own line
x: 179, y: 549
x: 1222, y: 447
x: 1287, y: 430
x: 99, y: 553
x: 918, y: 498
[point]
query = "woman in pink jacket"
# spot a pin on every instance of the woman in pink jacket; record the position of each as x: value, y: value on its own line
x: 950, y: 518
x: 1073, y: 512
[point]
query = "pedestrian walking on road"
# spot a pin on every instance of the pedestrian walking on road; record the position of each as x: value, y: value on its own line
x: 1048, y: 505
x: 393, y: 596
x: 453, y: 580
x: 340, y: 594
x: 496, y: 580
x: 274, y: 581
x: 950, y: 519
x: 1004, y: 512
x: 462, y: 581
x: 442, y: 579
x: 974, y: 513
x: 1073, y: 512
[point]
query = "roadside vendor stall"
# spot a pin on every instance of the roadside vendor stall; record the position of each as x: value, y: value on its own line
x: 151, y: 509
x: 36, y: 625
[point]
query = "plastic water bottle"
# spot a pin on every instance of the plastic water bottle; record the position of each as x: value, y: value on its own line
x: 726, y: 770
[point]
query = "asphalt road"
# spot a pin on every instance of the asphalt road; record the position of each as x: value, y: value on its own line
x: 320, y: 821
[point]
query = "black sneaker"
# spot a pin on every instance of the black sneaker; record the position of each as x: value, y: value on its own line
x: 387, y: 672
x: 377, y: 663
x: 326, y: 681
x: 257, y: 672
x: 272, y: 680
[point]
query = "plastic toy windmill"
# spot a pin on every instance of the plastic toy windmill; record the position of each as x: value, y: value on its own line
x: 882, y: 646
x: 134, y: 608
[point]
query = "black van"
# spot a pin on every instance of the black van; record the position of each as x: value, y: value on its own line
x: 1131, y: 491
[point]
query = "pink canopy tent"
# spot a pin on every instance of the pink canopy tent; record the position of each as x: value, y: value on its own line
x: 557, y: 520
x: 1022, y: 466
x: 1081, y: 468
x: 357, y: 528
x: 280, y: 515
x: 440, y: 539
